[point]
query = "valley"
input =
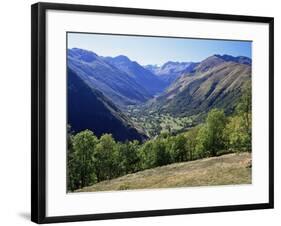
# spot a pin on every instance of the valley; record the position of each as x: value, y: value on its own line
x: 133, y: 126
x: 172, y: 98
x: 154, y: 123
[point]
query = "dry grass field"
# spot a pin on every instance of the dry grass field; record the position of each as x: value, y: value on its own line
x: 223, y: 170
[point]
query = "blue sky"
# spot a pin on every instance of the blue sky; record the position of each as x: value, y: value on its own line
x: 157, y: 50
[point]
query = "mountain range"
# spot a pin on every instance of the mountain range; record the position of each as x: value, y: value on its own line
x: 123, y: 81
x: 101, y: 88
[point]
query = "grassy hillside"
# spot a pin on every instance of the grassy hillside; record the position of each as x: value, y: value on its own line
x: 222, y: 170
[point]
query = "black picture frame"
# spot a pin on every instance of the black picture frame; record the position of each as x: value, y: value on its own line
x: 38, y: 111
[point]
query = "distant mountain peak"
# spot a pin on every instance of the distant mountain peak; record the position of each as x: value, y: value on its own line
x: 237, y: 59
x: 217, y: 59
x: 171, y: 70
x: 224, y: 56
x: 169, y: 62
x: 82, y: 51
x: 85, y: 55
x: 152, y: 66
x: 122, y: 58
x: 175, y: 63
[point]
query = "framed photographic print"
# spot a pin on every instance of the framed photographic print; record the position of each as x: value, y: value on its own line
x: 141, y: 112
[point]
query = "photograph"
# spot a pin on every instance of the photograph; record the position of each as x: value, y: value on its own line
x: 149, y: 112
x: 145, y: 112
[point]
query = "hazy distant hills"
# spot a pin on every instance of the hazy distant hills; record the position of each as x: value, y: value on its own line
x: 90, y: 109
x: 101, y: 88
x: 215, y: 82
x: 170, y: 71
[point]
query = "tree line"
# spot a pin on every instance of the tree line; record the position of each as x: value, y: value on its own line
x: 92, y: 159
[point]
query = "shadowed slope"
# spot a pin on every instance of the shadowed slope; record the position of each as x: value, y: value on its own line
x: 90, y: 109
